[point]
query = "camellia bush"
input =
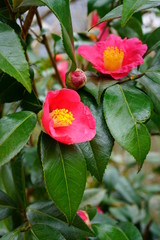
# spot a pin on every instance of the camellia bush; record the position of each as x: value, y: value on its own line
x: 61, y: 114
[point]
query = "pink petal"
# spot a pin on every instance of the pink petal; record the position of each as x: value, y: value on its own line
x: 82, y: 128
x: 133, y: 51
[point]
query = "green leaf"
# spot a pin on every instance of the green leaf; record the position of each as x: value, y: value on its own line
x: 110, y: 178
x: 108, y: 232
x: 92, y: 197
x: 101, y: 7
x: 65, y: 174
x: 19, y: 178
x: 42, y: 232
x: 97, y: 84
x: 11, y: 90
x: 128, y: 213
x: 12, y: 235
x: 33, y: 166
x: 153, y: 40
x: 130, y: 231
x: 31, y: 102
x: 97, y: 152
x: 129, y: 8
x: 154, y: 74
x: 154, y: 124
x: 125, y: 189
x: 152, y: 89
x: 16, y: 3
x: 126, y: 109
x: 7, y: 205
x: 11, y: 23
x: 113, y: 14
x: 103, y: 219
x: 46, y: 213
x: 15, y: 130
x: 57, y: 7
x: 154, y: 208
x: 132, y: 29
x: 117, y: 12
x: 12, y: 58
x: 8, y: 183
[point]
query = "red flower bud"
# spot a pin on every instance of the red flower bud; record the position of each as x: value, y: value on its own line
x: 84, y: 217
x: 76, y: 80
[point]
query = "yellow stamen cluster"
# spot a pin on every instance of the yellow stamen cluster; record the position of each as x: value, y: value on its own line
x: 113, y: 58
x: 61, y: 117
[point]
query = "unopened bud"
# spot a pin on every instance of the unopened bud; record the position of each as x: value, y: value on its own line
x: 84, y: 217
x: 76, y: 80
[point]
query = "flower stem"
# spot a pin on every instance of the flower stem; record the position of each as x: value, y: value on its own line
x: 45, y: 41
x: 132, y: 78
x: 10, y: 10
x: 28, y: 22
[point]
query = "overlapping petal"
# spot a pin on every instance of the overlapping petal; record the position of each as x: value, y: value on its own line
x: 133, y: 50
x: 83, y: 126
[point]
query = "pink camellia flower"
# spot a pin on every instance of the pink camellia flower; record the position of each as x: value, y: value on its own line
x: 102, y: 30
x: 66, y: 119
x: 115, y: 56
x: 84, y: 217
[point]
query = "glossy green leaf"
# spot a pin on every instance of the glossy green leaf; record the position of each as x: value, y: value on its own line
x: 65, y: 174
x: 129, y: 8
x: 92, y: 197
x: 103, y: 219
x: 130, y: 231
x: 132, y: 29
x: 152, y: 89
x: 154, y: 124
x: 154, y: 74
x: 108, y: 232
x: 97, y: 152
x: 153, y: 40
x: 126, y: 109
x: 11, y: 90
x: 16, y: 3
x: 33, y: 166
x: 57, y: 7
x: 101, y: 7
x: 15, y: 130
x: 43, y: 232
x: 97, y: 84
x: 19, y: 179
x: 117, y: 12
x: 31, y: 102
x: 47, y: 214
x: 7, y: 205
x: 110, y: 178
x: 113, y: 14
x: 12, y: 58
x: 125, y: 189
x: 12, y: 235
x: 11, y: 23
x: 8, y: 183
x: 130, y: 213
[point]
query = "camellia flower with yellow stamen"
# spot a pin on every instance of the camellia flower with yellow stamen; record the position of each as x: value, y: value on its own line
x: 115, y: 56
x: 66, y: 119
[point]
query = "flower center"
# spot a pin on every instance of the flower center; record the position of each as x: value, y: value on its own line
x: 61, y: 117
x: 113, y: 58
